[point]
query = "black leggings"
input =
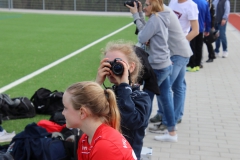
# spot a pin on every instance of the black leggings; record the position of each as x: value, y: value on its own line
x: 196, y: 45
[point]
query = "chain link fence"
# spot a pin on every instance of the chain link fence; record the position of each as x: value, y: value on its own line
x: 82, y: 5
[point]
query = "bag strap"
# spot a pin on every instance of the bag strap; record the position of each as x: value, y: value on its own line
x: 9, y: 101
x: 32, y: 98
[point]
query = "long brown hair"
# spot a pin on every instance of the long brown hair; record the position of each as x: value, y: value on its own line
x: 102, y: 103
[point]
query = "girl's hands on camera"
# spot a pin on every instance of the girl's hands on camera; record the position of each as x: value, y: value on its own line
x: 124, y: 77
x: 103, y: 71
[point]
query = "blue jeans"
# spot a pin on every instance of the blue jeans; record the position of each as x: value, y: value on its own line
x: 178, y: 83
x: 222, y: 37
x: 165, y: 97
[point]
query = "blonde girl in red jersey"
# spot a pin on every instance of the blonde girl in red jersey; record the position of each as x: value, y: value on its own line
x: 94, y: 110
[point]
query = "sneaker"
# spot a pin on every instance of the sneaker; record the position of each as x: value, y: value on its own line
x: 6, y: 137
x: 176, y: 128
x: 166, y: 138
x: 191, y: 69
x: 210, y: 60
x: 188, y: 68
x: 225, y: 54
x: 156, y: 118
x: 197, y: 68
x: 216, y: 55
x: 159, y: 128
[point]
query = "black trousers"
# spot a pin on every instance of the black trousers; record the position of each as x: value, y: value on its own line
x: 196, y: 45
x: 211, y: 54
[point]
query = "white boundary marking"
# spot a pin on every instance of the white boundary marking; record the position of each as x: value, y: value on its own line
x: 27, y: 77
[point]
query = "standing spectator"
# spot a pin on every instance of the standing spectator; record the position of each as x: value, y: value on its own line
x: 222, y: 10
x: 208, y: 39
x: 204, y: 21
x: 134, y: 105
x: 154, y: 33
x: 92, y: 109
x: 180, y: 55
x: 187, y: 13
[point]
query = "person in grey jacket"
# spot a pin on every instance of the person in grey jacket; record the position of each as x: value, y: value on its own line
x: 154, y: 34
x: 180, y: 52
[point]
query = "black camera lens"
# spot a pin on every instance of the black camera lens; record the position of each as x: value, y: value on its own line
x: 118, y: 69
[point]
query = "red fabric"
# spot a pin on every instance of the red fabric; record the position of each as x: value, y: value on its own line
x: 50, y: 126
x: 234, y: 19
x: 107, y: 144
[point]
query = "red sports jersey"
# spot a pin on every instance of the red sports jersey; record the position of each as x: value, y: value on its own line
x: 107, y: 144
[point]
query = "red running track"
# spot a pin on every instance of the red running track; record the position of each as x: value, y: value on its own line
x: 234, y: 19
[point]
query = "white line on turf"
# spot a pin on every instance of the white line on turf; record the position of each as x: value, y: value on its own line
x: 27, y: 77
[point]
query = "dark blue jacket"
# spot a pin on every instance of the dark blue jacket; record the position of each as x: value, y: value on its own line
x: 23, y: 142
x: 33, y: 144
x: 204, y: 17
x: 134, y: 106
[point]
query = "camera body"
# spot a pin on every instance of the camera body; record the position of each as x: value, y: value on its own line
x: 131, y: 3
x: 116, y: 67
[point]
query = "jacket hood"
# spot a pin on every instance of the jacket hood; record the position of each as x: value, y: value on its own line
x: 164, y: 15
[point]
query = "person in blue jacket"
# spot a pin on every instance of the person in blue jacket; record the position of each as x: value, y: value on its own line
x: 122, y: 67
x: 208, y: 40
x: 204, y: 20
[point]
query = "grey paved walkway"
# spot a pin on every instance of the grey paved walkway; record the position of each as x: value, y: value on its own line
x: 210, y: 129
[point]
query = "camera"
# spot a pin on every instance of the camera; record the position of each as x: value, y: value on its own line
x: 116, y: 67
x: 131, y: 3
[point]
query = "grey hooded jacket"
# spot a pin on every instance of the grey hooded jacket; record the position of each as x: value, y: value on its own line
x: 155, y: 30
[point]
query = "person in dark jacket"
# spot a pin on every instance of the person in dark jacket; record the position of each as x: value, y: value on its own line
x: 206, y: 39
x: 134, y: 105
x: 222, y: 10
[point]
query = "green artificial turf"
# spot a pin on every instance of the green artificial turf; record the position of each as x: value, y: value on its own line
x: 29, y: 42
